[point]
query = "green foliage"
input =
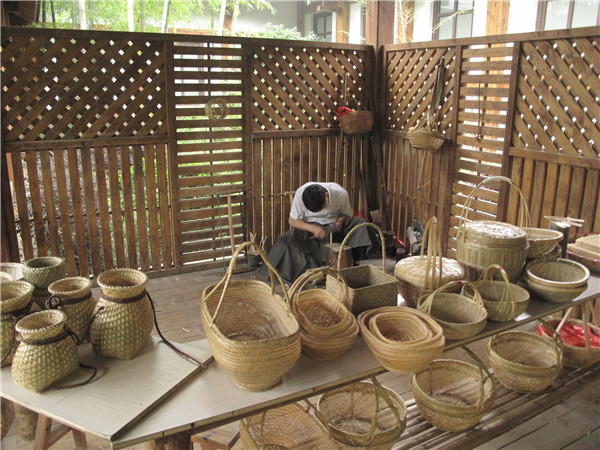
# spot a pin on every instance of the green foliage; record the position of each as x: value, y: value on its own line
x: 271, y: 31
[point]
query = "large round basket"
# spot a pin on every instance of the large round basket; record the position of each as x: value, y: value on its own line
x: 483, y: 242
x: 15, y: 302
x: 525, y: 362
x: 123, y: 318
x: 73, y: 295
x: 327, y: 327
x: 402, y: 339
x: 574, y: 356
x: 46, y: 353
x: 252, y: 332
x: 421, y: 275
x: 460, y: 316
x: 502, y: 299
x: 287, y: 427
x: 541, y: 241
x: 453, y: 395
x: 363, y: 415
x: 557, y: 272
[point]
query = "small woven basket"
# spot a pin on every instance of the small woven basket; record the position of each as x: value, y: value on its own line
x: 482, y: 243
x: 502, y: 299
x: 73, y: 295
x: 252, y: 332
x: 402, y: 339
x: 363, y: 415
x: 541, y: 241
x: 557, y: 272
x: 576, y: 357
x: 453, y: 395
x: 421, y: 275
x: 426, y: 139
x: 524, y: 362
x: 46, y: 353
x: 122, y: 320
x: 460, y: 316
x: 15, y: 302
x: 356, y: 122
x: 368, y: 286
x: 44, y: 270
x: 287, y: 427
x: 327, y: 328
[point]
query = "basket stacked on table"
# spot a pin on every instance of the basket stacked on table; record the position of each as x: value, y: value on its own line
x: 460, y: 316
x: 327, y: 327
x: 15, y: 303
x: 541, y: 241
x: 556, y: 280
x: 402, y: 339
x: 421, y: 275
x: 252, y: 332
x: 41, y: 272
x: 368, y: 286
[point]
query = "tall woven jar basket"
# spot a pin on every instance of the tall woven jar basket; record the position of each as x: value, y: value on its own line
x: 122, y: 319
x: 481, y: 243
x: 368, y: 286
x: 46, y: 353
x: 42, y: 272
x: 73, y: 295
x: 252, y: 332
x: 15, y: 302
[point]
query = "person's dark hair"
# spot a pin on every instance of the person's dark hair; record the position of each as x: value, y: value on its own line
x: 314, y: 198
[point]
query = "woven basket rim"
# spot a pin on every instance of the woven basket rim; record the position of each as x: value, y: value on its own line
x: 23, y: 290
x: 54, y: 318
x: 543, y: 341
x: 43, y: 263
x: 582, y: 272
x: 70, y: 285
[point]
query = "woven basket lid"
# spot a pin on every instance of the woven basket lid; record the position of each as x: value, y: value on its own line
x: 493, y: 230
x: 412, y: 270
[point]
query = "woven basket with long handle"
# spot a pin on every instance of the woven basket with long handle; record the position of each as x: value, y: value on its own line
x: 252, y: 332
x: 481, y: 243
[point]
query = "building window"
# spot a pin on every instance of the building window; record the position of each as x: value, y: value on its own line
x: 323, y: 25
x: 558, y: 14
x: 453, y: 19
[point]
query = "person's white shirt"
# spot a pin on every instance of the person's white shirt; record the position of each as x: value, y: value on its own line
x: 338, y: 204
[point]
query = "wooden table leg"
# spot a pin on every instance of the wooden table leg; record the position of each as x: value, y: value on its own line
x: 46, y: 436
x: 179, y: 441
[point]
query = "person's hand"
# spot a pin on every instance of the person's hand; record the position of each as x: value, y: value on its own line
x: 338, y: 224
x: 320, y: 232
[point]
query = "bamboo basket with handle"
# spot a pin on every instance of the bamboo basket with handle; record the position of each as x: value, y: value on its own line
x: 252, y: 332
x: 368, y: 286
x: 481, y: 243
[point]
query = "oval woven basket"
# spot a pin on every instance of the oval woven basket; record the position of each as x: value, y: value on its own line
x: 576, y: 357
x: 327, y: 327
x: 73, y: 295
x: 122, y: 320
x: 460, y: 316
x: 557, y: 272
x: 524, y: 362
x: 15, y: 303
x: 426, y: 139
x: 502, y: 299
x: 287, y: 427
x: 555, y: 294
x: 402, y: 339
x: 44, y: 270
x: 363, y: 415
x: 541, y: 241
x: 252, y: 332
x: 46, y: 353
x: 453, y: 395
x: 483, y: 242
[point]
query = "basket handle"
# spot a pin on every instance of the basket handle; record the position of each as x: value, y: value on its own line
x: 482, y: 369
x: 508, y: 304
x: 365, y: 224
x: 317, y: 274
x: 558, y: 342
x: 428, y: 302
x: 467, y: 205
x: 431, y: 240
x: 227, y: 278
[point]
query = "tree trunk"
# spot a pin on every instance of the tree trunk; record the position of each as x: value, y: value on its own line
x: 143, y: 15
x: 82, y: 15
x: 131, y: 15
x: 165, y: 19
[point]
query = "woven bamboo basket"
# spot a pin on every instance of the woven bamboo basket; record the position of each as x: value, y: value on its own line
x: 541, y: 241
x: 363, y: 415
x: 287, y: 427
x: 402, y: 339
x: 427, y: 139
x: 15, y: 302
x: 577, y: 357
x: 524, y: 362
x: 327, y: 327
x: 46, y: 353
x: 460, y: 316
x: 73, y: 295
x: 557, y: 272
x: 13, y: 270
x: 123, y: 319
x: 483, y: 242
x: 421, y: 275
x: 356, y: 122
x: 252, y: 332
x: 502, y: 299
x: 368, y: 286
x: 453, y: 395
x: 44, y: 270
x: 555, y: 294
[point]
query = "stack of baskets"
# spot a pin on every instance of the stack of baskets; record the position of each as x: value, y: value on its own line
x: 368, y: 286
x: 421, y: 275
x: 502, y: 299
x: 586, y: 250
x: 557, y: 279
x: 252, y: 332
x: 460, y: 316
x: 327, y: 327
x: 541, y: 241
x: 402, y: 339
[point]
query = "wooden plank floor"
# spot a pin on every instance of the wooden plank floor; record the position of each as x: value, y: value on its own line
x: 564, y: 416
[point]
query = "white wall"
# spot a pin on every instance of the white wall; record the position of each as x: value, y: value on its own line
x: 522, y: 16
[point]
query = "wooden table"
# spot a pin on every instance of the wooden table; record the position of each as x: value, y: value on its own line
x: 210, y: 399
